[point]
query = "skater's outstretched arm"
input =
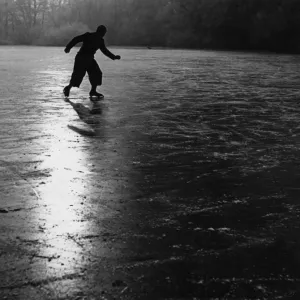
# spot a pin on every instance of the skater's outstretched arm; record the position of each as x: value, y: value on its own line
x: 74, y: 41
x: 106, y: 52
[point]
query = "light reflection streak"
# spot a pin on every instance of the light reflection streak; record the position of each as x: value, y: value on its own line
x: 61, y: 194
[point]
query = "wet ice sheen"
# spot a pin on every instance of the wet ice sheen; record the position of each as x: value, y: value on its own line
x: 196, y: 151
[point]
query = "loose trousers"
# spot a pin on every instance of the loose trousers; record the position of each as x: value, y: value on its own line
x: 85, y: 64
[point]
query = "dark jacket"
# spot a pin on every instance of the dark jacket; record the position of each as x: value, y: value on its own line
x: 91, y: 42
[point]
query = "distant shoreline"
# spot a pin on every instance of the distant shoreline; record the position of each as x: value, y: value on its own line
x: 153, y: 48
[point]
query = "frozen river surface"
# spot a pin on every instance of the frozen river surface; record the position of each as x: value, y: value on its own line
x: 184, y: 184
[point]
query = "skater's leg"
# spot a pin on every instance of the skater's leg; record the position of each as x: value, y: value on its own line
x: 80, y: 66
x: 94, y: 88
x: 95, y: 77
x: 67, y: 90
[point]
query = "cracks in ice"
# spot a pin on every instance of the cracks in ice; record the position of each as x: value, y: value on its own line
x: 38, y: 283
x: 9, y: 165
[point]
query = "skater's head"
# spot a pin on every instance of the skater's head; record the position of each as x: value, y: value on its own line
x: 101, y: 30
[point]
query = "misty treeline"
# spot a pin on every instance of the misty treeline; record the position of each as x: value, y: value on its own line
x: 231, y: 24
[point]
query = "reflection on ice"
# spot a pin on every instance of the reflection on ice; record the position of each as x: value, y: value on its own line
x: 88, y: 116
x: 62, y: 197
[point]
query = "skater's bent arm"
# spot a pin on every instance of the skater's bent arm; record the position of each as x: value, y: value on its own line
x: 106, y: 52
x: 74, y: 41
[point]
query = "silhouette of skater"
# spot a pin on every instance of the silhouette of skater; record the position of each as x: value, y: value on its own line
x: 85, y: 62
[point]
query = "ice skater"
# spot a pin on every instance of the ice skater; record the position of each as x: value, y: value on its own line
x: 85, y: 62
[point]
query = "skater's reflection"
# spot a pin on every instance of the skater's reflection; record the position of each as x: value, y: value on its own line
x: 88, y: 116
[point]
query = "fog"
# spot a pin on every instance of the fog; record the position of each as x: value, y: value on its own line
x: 218, y: 24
